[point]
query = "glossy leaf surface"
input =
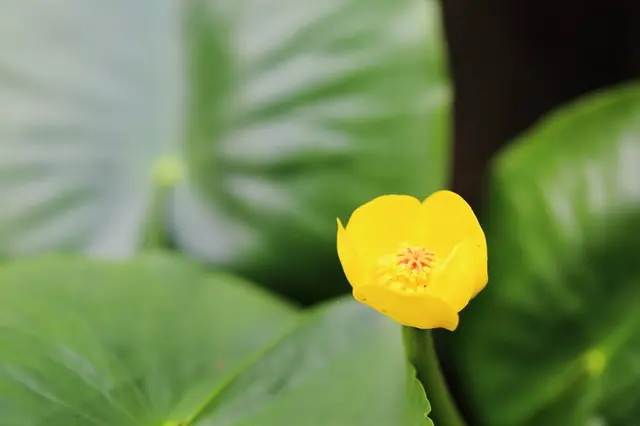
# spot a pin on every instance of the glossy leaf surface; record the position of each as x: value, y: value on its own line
x: 155, y: 341
x: 554, y: 337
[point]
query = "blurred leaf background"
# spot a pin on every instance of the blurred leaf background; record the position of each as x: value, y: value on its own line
x: 170, y: 175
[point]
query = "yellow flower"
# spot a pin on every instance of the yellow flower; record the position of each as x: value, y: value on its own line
x: 418, y: 263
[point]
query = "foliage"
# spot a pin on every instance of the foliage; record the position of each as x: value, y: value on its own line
x: 554, y: 339
x: 233, y: 133
x: 269, y: 109
x: 158, y: 341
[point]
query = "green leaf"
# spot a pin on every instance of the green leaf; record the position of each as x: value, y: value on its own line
x: 90, y: 99
x: 286, y: 115
x: 321, y: 107
x: 344, y: 365
x: 155, y: 341
x: 546, y: 342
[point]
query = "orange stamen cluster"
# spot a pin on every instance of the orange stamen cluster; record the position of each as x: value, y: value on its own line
x: 408, y: 270
x: 416, y: 259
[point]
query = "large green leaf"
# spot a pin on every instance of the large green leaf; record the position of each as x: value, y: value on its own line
x: 287, y: 114
x: 155, y: 341
x: 89, y: 100
x: 555, y: 337
x: 315, y: 108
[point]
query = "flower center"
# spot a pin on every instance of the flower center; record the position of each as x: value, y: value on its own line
x: 407, y: 270
x: 415, y: 259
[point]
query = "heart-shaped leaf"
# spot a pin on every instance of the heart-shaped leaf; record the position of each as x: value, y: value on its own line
x: 155, y: 341
x: 554, y: 339
x: 286, y: 114
x: 316, y: 108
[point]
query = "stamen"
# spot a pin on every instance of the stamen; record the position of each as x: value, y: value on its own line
x: 407, y: 271
x: 416, y: 259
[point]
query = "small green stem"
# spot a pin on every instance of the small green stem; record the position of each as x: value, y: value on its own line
x: 154, y: 236
x: 421, y: 351
x: 168, y: 171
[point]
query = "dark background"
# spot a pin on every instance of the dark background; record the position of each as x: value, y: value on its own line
x: 514, y: 60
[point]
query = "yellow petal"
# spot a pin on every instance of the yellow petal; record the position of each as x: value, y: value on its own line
x: 449, y: 220
x: 349, y: 258
x: 379, y: 226
x: 460, y: 276
x: 417, y: 310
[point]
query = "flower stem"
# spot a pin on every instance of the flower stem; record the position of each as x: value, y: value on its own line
x: 154, y: 236
x: 168, y: 171
x: 421, y: 351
